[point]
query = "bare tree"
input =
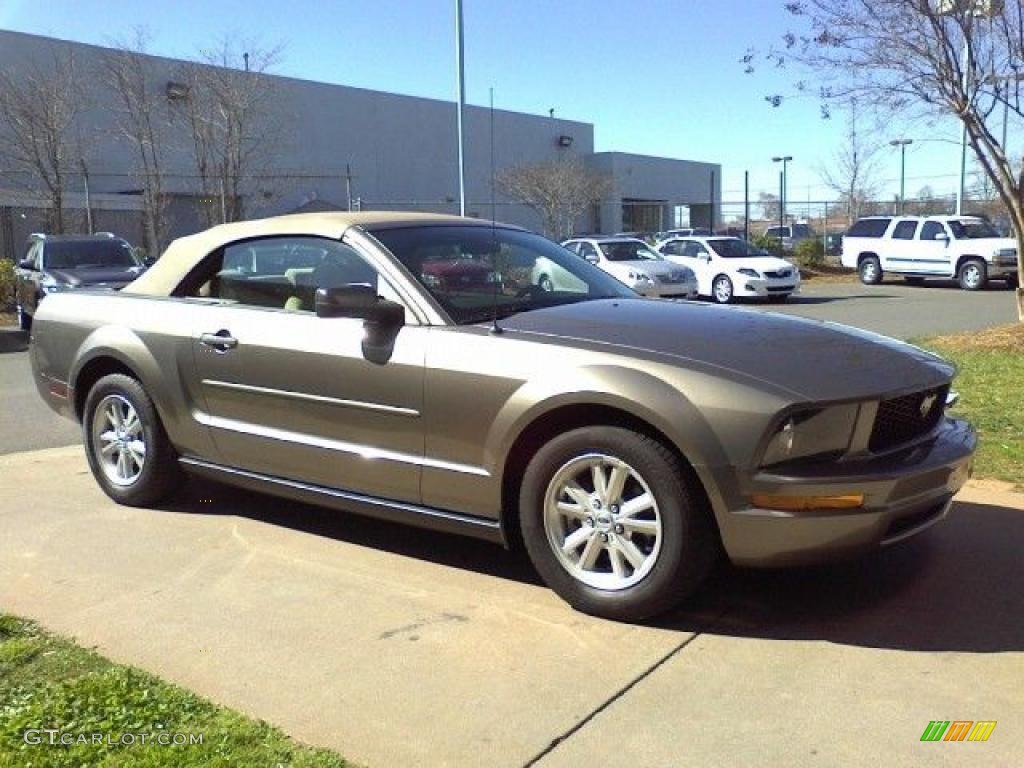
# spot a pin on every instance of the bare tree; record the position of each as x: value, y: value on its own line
x: 923, y: 58
x: 769, y: 206
x: 143, y: 119
x: 228, y: 106
x: 852, y: 170
x: 39, y: 147
x: 559, y: 191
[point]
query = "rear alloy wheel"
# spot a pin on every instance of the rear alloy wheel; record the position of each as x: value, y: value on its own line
x: 24, y: 319
x: 611, y: 524
x: 129, y: 453
x: 870, y: 270
x: 972, y: 275
x: 721, y: 289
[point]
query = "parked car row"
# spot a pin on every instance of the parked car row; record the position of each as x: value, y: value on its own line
x: 967, y: 249
x: 720, y: 268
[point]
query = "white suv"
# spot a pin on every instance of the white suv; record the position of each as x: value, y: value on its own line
x: 917, y: 247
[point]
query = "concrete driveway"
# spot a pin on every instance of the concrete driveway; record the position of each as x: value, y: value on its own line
x: 402, y: 647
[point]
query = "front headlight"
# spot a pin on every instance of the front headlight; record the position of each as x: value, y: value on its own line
x: 814, y: 432
x: 749, y: 272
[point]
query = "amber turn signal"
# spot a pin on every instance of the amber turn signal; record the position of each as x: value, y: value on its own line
x: 803, y: 503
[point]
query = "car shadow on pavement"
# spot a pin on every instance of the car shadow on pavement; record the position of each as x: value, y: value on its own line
x: 13, y: 339
x: 809, y: 300
x: 431, y: 546
x: 956, y: 587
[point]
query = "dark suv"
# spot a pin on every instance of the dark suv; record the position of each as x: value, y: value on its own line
x: 64, y: 262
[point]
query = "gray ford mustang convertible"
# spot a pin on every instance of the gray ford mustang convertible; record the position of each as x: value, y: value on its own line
x: 413, y: 367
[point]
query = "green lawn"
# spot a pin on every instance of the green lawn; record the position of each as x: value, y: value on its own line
x: 991, y: 386
x: 47, y: 682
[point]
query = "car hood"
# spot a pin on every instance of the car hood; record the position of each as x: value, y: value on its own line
x: 813, y: 359
x: 89, y: 276
x: 760, y: 263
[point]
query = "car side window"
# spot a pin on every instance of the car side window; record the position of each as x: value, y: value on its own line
x: 931, y: 229
x: 693, y: 249
x: 904, y: 230
x: 589, y: 252
x: 284, y: 272
x: 673, y: 248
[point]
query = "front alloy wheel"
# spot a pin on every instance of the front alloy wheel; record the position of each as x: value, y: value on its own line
x: 615, y: 522
x: 602, y: 522
x: 972, y: 275
x: 721, y: 289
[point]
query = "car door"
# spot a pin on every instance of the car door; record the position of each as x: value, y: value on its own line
x: 905, y: 251
x: 699, y: 260
x: 292, y: 395
x: 935, y: 251
x: 27, y: 280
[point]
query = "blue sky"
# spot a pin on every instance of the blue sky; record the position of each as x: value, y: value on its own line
x: 659, y: 77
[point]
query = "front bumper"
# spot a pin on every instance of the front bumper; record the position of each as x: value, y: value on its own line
x: 1002, y: 268
x: 686, y: 290
x: 905, y: 492
x: 762, y: 287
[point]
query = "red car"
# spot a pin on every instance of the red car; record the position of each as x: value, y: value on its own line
x: 467, y: 275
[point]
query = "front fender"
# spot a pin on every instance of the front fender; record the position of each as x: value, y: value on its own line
x: 638, y: 393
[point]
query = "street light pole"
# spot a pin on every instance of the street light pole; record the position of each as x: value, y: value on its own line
x: 902, y: 144
x: 460, y: 67
x: 785, y: 187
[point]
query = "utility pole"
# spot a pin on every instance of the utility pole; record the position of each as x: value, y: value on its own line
x: 902, y: 144
x: 711, y: 206
x: 460, y: 67
x: 746, y: 205
x: 88, y: 200
x: 348, y: 184
x: 782, y: 194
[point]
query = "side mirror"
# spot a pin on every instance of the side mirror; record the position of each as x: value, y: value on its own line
x: 383, y: 319
x: 27, y: 264
x: 592, y: 259
x: 149, y: 261
x: 942, y: 237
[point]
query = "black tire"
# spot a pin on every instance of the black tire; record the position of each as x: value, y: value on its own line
x: 160, y: 474
x: 545, y: 284
x: 722, y: 289
x: 1012, y: 283
x: 689, y: 542
x: 972, y: 275
x: 915, y: 281
x: 870, y: 270
x: 24, y: 319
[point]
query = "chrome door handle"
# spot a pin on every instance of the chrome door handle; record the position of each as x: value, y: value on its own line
x: 222, y: 341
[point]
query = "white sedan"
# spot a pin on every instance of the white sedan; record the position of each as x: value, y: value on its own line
x: 728, y: 268
x: 636, y: 264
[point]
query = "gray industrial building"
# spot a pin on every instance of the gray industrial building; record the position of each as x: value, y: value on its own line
x: 339, y: 146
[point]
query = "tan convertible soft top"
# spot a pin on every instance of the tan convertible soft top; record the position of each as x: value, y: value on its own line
x: 185, y: 252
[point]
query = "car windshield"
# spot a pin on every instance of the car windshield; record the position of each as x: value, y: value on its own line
x: 476, y: 273
x: 972, y: 229
x: 627, y: 250
x: 86, y: 254
x: 734, y: 248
